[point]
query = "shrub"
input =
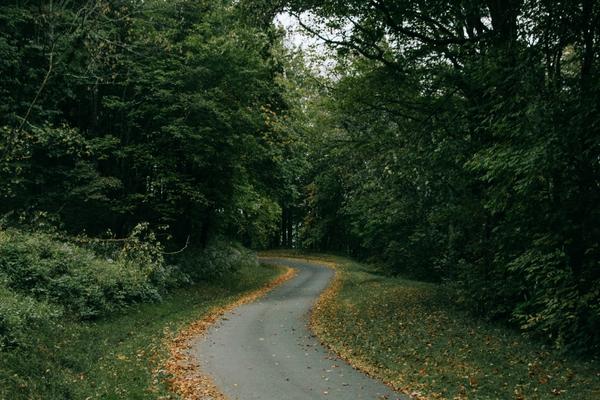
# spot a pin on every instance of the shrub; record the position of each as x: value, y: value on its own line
x: 87, y: 285
x: 218, y: 259
x: 556, y: 306
x: 540, y: 293
x: 20, y: 316
x: 101, y: 277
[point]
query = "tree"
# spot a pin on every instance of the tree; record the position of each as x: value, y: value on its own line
x: 469, y: 150
x: 141, y: 111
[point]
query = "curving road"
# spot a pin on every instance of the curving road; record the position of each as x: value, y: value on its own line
x: 265, y: 350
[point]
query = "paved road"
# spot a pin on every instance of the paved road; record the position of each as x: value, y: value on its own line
x: 265, y: 350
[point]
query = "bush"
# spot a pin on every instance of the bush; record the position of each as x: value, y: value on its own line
x: 41, y: 275
x: 41, y: 266
x: 20, y: 316
x: 220, y: 258
x: 538, y: 292
x: 556, y: 306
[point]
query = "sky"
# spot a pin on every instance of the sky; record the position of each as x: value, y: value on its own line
x: 298, y: 38
x: 295, y: 37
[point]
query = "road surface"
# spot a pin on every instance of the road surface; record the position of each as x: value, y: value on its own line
x: 265, y: 350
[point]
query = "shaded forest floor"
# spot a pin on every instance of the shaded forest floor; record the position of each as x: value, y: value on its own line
x: 118, y: 357
x: 409, y: 334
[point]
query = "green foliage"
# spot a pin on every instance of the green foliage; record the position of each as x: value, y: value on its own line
x: 119, y: 112
x: 219, y: 260
x: 461, y: 145
x: 120, y: 356
x: 21, y: 317
x: 555, y: 306
x: 87, y: 286
x: 257, y: 220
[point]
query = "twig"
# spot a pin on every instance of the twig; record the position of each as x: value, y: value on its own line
x: 187, y: 242
x: 96, y: 240
x: 41, y: 88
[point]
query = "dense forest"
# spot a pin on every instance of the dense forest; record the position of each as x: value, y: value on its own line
x: 454, y: 142
x: 462, y: 145
x: 116, y: 112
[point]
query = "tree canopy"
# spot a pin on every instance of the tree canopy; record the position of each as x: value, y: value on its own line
x: 462, y: 145
x: 116, y: 112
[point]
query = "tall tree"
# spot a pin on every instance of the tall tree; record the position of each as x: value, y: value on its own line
x: 469, y: 150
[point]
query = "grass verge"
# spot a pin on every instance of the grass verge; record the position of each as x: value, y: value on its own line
x: 118, y: 357
x: 411, y: 336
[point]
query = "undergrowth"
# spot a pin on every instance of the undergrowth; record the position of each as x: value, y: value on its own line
x: 84, y: 318
x: 118, y: 357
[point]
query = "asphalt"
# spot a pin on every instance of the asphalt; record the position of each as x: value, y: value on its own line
x: 265, y: 350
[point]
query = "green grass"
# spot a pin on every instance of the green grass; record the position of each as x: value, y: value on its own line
x: 410, y: 334
x: 115, y: 358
